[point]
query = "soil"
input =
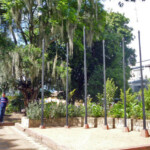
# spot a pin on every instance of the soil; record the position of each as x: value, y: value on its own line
x: 14, y: 117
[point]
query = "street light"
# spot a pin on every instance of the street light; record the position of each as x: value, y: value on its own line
x: 144, y: 131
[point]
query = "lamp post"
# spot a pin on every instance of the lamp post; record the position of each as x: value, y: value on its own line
x: 105, y: 102
x: 67, y: 55
x: 86, y: 126
x: 126, y: 129
x: 144, y: 131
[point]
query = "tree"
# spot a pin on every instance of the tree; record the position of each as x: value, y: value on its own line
x: 57, y: 25
x: 6, y: 46
x: 116, y: 28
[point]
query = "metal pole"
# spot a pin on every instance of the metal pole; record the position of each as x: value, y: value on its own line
x: 104, y: 67
x: 85, y: 77
x: 67, y: 89
x: 142, y: 86
x: 124, y: 81
x: 42, y: 109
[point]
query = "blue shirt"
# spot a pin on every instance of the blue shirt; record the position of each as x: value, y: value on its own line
x: 3, y: 101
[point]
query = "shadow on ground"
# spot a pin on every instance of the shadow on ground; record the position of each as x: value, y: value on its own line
x: 14, y: 117
x: 8, y: 144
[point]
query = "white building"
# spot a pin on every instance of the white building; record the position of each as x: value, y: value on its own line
x: 135, y: 80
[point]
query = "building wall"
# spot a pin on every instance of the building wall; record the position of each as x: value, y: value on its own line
x: 135, y: 80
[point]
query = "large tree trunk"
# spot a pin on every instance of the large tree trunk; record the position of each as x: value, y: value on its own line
x: 30, y: 94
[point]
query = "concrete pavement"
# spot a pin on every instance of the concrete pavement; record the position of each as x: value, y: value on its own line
x: 60, y: 138
x: 13, y: 139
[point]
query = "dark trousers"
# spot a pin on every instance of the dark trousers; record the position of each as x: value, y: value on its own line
x: 2, y: 113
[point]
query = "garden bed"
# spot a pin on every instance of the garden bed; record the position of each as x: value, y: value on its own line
x: 133, y: 124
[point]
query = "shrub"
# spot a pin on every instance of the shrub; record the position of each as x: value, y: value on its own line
x: 15, y: 104
x: 147, y: 98
x: 47, y: 109
x: 95, y: 110
x: 117, y: 110
x: 33, y: 111
x: 57, y: 111
x: 136, y: 111
x: 76, y: 111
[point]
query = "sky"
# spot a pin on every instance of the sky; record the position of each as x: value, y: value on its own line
x: 143, y: 24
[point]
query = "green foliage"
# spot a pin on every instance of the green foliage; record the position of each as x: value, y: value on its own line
x: 34, y: 111
x: 100, y: 96
x: 15, y: 104
x: 64, y: 22
x: 147, y: 98
x: 71, y: 93
x: 74, y: 111
x: 95, y: 110
x: 96, y: 81
x: 110, y: 90
x: 48, y: 108
x: 136, y: 110
x: 132, y: 106
x: 130, y: 97
x: 117, y: 110
x: 57, y: 111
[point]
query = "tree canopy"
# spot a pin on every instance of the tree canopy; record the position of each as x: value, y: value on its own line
x: 62, y: 21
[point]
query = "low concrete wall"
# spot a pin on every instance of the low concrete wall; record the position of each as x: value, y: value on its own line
x: 133, y: 124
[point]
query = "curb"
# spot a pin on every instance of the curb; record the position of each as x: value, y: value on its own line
x: 40, y: 138
x: 7, y: 124
x: 146, y: 147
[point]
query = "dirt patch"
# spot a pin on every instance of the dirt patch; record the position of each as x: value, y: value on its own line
x: 14, y: 117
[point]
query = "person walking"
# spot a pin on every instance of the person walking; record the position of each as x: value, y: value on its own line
x: 3, y: 104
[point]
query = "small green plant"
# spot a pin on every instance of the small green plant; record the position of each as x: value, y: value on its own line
x: 110, y: 91
x: 136, y: 110
x: 117, y: 110
x: 57, y: 111
x: 47, y: 109
x: 76, y: 111
x: 131, y: 102
x: 33, y: 111
x: 95, y: 110
x: 100, y: 96
x: 147, y: 98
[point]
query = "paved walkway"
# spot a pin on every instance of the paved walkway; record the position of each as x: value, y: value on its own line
x: 13, y: 139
